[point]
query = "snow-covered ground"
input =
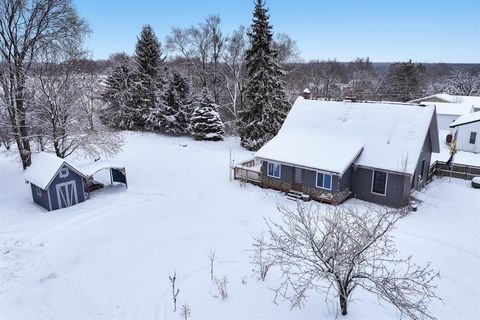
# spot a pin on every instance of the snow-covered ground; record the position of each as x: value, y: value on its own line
x: 110, y: 256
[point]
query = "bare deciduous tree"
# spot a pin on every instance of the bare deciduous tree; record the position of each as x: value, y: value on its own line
x: 261, y: 260
x: 185, y: 312
x: 221, y: 284
x: 212, y: 257
x: 66, y: 103
x: 175, y: 291
x: 26, y: 26
x: 342, y: 249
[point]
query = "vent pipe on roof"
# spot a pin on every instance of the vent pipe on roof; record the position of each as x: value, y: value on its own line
x: 306, y: 94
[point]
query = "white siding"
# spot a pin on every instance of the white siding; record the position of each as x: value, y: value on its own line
x: 445, y: 120
x: 463, y: 137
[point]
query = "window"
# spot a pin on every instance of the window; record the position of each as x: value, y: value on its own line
x: 64, y: 172
x: 324, y: 180
x: 39, y: 191
x: 473, y: 137
x: 273, y: 170
x: 379, y: 182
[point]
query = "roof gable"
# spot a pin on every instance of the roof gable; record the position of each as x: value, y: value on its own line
x: 391, y: 136
x: 44, y: 169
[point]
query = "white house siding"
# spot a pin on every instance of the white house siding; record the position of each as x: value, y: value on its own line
x: 463, y: 137
x: 444, y: 120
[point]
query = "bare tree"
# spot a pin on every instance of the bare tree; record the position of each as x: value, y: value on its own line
x: 25, y: 27
x: 261, y: 260
x: 342, y: 249
x: 66, y: 103
x: 175, y: 291
x: 287, y: 49
x: 459, y: 83
x: 185, y: 312
x: 212, y: 257
x: 221, y: 284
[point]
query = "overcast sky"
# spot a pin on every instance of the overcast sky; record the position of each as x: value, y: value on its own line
x: 384, y: 30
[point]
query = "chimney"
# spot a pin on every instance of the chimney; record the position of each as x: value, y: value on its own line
x: 306, y: 94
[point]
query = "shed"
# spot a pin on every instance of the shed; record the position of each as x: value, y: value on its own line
x: 55, y: 183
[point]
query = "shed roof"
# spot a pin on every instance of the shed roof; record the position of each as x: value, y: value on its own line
x: 326, y: 135
x: 450, y: 98
x: 90, y: 169
x: 44, y: 168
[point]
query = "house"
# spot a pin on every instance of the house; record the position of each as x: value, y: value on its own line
x: 473, y: 101
x: 55, y: 183
x: 449, y: 108
x: 468, y: 132
x: 330, y: 151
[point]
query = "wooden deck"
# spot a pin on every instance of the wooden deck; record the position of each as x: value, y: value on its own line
x: 248, y: 171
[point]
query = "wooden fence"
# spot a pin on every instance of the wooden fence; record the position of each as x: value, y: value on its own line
x: 248, y: 171
x: 460, y: 171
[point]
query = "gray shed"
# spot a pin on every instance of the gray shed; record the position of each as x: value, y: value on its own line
x: 55, y: 183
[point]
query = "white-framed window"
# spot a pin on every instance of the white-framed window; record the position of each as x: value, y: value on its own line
x: 473, y: 137
x: 64, y: 172
x: 324, y: 180
x: 379, y: 182
x: 273, y: 170
x: 39, y: 191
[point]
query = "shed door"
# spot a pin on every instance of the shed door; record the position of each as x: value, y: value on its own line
x: 297, y: 179
x: 67, y: 194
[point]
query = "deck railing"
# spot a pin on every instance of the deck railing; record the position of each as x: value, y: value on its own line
x: 460, y: 171
x: 248, y: 171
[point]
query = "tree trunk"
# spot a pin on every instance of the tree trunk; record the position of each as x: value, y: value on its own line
x: 343, y: 304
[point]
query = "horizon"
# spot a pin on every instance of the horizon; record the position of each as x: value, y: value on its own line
x: 384, y: 32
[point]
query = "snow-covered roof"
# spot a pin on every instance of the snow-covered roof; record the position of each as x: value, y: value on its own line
x: 449, y: 98
x: 329, y: 135
x: 466, y: 119
x: 44, y: 168
x: 90, y: 169
x: 451, y: 109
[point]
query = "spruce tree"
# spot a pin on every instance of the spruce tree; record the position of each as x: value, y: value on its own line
x: 149, y: 80
x: 266, y: 104
x: 206, y: 122
x: 176, y: 111
x: 118, y: 94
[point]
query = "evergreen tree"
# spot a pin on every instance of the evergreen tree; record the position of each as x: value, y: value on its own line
x: 266, y: 99
x: 206, y: 122
x: 118, y: 94
x: 149, y: 79
x: 404, y: 81
x: 176, y: 111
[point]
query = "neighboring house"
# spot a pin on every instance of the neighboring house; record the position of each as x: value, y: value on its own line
x: 55, y: 183
x: 473, y: 101
x: 450, y: 108
x: 330, y: 150
x: 468, y: 132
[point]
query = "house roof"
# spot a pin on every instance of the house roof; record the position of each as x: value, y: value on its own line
x: 451, y: 109
x: 44, y: 168
x: 330, y: 135
x: 449, y: 98
x: 466, y: 119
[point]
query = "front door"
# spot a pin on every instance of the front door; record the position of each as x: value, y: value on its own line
x: 67, y: 194
x: 297, y: 179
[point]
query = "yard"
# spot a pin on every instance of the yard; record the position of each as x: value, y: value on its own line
x: 110, y: 257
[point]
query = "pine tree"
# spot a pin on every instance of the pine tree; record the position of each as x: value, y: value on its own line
x: 176, y: 111
x: 118, y: 94
x: 206, y: 122
x: 149, y: 79
x: 266, y: 99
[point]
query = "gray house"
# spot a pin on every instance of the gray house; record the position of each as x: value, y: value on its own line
x: 57, y: 184
x: 329, y: 151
